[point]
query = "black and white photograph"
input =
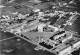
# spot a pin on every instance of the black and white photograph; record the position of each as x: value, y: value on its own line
x: 39, y: 27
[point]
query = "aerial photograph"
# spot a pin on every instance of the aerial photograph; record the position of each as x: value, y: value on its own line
x: 39, y: 27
